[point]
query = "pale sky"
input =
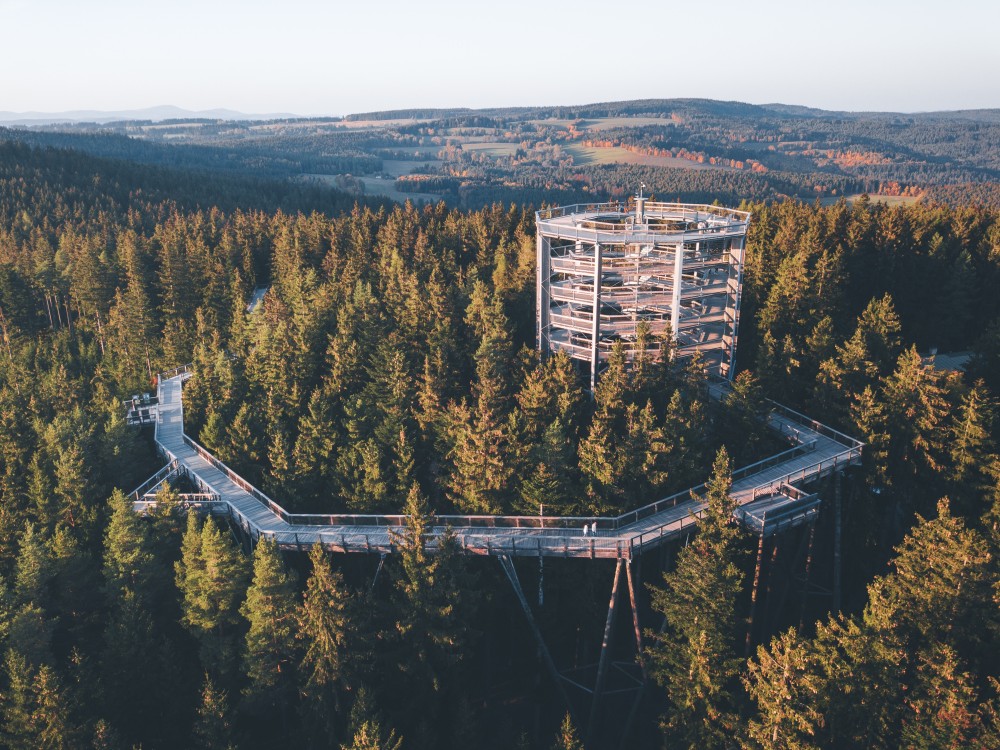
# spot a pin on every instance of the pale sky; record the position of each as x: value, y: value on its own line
x: 340, y: 57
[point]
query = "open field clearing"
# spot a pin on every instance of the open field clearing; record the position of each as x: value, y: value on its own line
x: 376, y: 186
x: 593, y: 155
x: 492, y: 149
x: 888, y: 200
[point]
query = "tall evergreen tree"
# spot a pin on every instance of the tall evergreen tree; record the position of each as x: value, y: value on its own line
x: 694, y: 658
x: 212, y: 729
x: 36, y: 708
x: 269, y: 655
x: 211, y: 578
x: 323, y: 630
x: 567, y: 738
x: 864, y: 358
x: 783, y: 684
x: 432, y: 605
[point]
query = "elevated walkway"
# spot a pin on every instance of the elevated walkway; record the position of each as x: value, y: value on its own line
x: 770, y: 496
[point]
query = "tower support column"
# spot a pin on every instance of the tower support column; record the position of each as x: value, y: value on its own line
x: 675, y: 306
x: 595, y: 334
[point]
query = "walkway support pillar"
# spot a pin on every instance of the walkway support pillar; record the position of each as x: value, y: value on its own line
x: 602, y: 664
x: 508, y: 567
x: 640, y: 657
x: 756, y: 586
x: 836, y: 542
x: 805, y: 583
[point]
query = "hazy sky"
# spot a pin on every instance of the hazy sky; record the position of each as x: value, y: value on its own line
x: 338, y: 57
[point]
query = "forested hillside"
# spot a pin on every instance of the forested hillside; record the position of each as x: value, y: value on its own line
x: 689, y: 149
x: 391, y: 367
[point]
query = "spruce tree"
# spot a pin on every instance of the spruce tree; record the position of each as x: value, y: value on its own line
x: 694, y: 659
x: 323, y: 630
x: 783, y: 682
x: 212, y: 729
x: 433, y: 601
x: 167, y: 523
x: 940, y: 589
x: 129, y: 562
x: 566, y: 737
x: 742, y: 418
x: 269, y: 655
x: 861, y: 360
x: 36, y: 708
x: 34, y: 572
x: 942, y: 708
x: 970, y: 450
x: 211, y: 578
x: 482, y: 455
x: 854, y: 679
x: 366, y: 730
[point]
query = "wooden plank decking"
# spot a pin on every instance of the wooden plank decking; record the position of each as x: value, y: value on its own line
x: 758, y: 491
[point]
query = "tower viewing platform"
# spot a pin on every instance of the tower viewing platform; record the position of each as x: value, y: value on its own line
x: 605, y: 268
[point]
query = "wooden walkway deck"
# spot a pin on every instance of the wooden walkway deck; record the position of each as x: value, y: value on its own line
x: 769, y: 495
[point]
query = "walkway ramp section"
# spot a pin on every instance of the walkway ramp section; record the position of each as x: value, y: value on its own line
x: 769, y: 495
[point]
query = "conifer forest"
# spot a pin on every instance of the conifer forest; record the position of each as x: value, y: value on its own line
x: 391, y: 367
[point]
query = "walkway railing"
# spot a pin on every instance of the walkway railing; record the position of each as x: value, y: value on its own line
x: 370, y: 531
x: 175, y: 372
x: 815, y: 426
x: 236, y: 479
x: 156, y: 479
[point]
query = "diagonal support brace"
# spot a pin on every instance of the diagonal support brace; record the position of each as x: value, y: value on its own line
x: 508, y: 567
x: 602, y: 666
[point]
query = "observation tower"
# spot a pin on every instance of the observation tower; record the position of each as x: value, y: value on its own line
x: 604, y: 268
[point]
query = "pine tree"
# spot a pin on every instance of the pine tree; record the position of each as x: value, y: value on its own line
x: 741, y: 417
x: 970, y: 449
x: 73, y: 490
x: 323, y: 630
x: 315, y: 452
x: 270, y: 651
x: 29, y: 633
x: 915, y: 412
x: 129, y: 562
x: 567, y: 738
x: 36, y: 708
x: 212, y: 730
x: 139, y: 676
x: 211, y: 579
x: 601, y: 459
x: 942, y: 708
x: 783, y: 682
x: 694, y: 658
x: 864, y: 358
x: 244, y: 446
x: 482, y: 437
x: 940, y: 589
x: 432, y: 601
x: 34, y: 573
x: 167, y: 522
x: 858, y: 678
x: 366, y: 729
x: 77, y: 602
